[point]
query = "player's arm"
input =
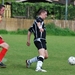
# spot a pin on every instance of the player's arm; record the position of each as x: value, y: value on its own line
x: 40, y: 26
x: 28, y: 38
x: 30, y: 30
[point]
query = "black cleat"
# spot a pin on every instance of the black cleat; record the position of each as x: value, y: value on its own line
x: 2, y: 65
x: 28, y: 63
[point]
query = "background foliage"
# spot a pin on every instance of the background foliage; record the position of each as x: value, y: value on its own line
x: 52, y: 29
x: 29, y: 10
x: 7, y: 1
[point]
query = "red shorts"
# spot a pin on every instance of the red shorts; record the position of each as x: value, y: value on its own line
x: 1, y: 40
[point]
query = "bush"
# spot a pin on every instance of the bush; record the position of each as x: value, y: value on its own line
x: 51, y: 30
x: 3, y: 31
x: 55, y: 30
x: 19, y: 31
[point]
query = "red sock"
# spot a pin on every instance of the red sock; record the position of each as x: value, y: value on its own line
x: 2, y: 53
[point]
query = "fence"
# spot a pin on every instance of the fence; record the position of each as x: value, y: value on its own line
x: 7, y: 12
x: 12, y: 24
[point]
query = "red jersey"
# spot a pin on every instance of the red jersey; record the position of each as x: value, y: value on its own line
x: 1, y: 40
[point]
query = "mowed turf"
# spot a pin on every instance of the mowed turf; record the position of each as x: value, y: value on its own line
x: 60, y: 48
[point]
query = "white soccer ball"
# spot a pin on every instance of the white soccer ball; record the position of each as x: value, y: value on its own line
x: 71, y: 60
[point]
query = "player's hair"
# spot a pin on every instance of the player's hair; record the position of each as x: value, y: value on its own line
x: 41, y: 10
x: 1, y: 6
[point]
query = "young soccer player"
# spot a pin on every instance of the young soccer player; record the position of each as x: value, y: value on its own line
x: 3, y: 44
x: 39, y: 31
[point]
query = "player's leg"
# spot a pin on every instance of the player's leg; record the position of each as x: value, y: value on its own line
x: 46, y: 54
x: 30, y: 61
x: 34, y: 59
x: 43, y: 54
x: 45, y: 51
x: 4, y: 47
x: 40, y: 60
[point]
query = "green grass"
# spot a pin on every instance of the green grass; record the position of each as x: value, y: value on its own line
x: 60, y: 48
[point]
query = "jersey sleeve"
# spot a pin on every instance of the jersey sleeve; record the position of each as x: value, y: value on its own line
x: 38, y: 20
x: 30, y: 29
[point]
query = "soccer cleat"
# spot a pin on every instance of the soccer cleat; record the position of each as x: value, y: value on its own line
x: 2, y: 65
x: 40, y: 70
x: 28, y: 63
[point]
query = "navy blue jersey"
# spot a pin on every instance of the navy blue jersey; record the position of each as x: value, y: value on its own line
x: 36, y: 31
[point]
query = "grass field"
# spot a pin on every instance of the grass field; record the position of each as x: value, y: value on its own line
x: 60, y: 48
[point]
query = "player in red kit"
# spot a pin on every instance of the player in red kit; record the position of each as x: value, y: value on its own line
x: 3, y: 44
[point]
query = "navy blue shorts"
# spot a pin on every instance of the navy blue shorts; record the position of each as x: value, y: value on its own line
x: 40, y: 44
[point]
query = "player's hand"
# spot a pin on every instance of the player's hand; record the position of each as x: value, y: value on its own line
x: 41, y: 29
x: 28, y: 43
x: 1, y: 37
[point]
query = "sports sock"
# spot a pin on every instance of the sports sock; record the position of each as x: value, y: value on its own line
x: 35, y: 59
x: 40, y: 62
x: 2, y: 54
